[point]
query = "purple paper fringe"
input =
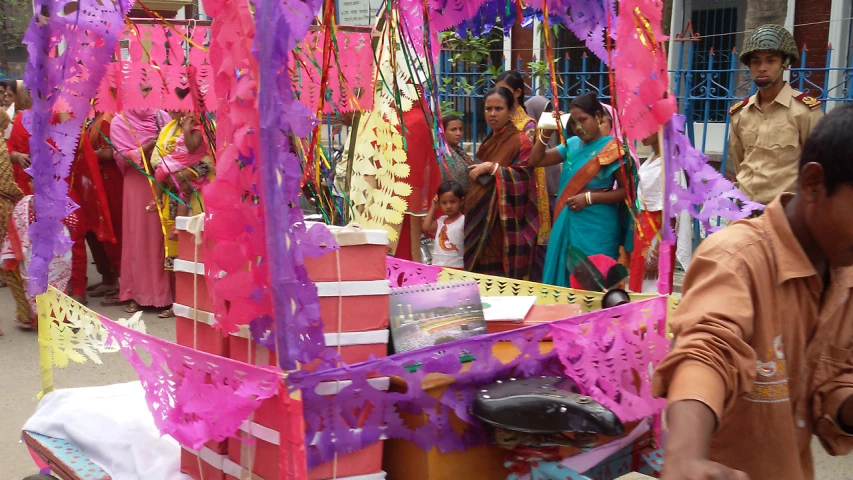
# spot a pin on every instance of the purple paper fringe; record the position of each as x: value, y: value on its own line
x: 360, y: 415
x: 298, y: 326
x: 67, y: 82
x: 709, y: 194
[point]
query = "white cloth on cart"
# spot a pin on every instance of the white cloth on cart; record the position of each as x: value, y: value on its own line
x: 113, y: 427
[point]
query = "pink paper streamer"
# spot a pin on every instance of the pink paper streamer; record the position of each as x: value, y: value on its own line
x: 664, y: 283
x: 604, y: 356
x: 354, y: 60
x: 194, y: 396
x: 642, y: 78
x: 235, y: 271
x: 402, y: 273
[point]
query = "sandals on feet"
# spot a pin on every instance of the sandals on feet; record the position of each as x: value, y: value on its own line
x: 113, y: 301
x: 104, y: 291
x: 30, y: 325
x: 167, y: 313
x: 132, y: 307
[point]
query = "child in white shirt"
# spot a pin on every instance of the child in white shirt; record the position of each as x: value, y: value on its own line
x: 449, y: 229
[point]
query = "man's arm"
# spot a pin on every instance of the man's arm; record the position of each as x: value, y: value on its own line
x: 712, y: 363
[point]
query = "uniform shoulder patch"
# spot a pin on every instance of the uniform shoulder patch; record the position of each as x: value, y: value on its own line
x: 809, y: 101
x: 738, y: 106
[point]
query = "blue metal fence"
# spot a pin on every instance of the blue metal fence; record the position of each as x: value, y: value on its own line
x: 705, y: 83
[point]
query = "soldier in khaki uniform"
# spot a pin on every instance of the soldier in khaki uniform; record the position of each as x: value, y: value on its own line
x: 768, y: 129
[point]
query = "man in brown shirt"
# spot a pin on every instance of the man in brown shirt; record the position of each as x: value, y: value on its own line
x: 768, y: 129
x: 763, y: 354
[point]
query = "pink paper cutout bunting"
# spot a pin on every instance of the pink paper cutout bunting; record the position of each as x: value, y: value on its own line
x: 642, y: 79
x: 194, y: 396
x: 354, y: 61
x: 605, y: 355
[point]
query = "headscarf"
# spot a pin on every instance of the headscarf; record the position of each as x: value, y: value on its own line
x: 535, y: 107
x: 131, y: 129
x: 617, y: 131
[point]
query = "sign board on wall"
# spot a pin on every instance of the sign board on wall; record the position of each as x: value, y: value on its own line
x: 358, y: 12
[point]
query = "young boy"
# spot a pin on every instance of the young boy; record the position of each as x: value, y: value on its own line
x: 763, y: 354
x: 768, y: 129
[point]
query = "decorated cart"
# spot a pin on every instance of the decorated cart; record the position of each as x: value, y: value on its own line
x: 280, y: 367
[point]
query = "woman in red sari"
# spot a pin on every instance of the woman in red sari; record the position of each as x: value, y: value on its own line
x: 424, y: 178
x: 19, y: 148
x: 105, y: 248
x: 19, y: 140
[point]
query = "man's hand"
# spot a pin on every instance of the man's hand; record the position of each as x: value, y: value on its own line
x: 691, y: 425
x: 677, y: 469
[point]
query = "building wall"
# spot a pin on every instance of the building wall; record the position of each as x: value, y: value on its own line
x: 815, y: 37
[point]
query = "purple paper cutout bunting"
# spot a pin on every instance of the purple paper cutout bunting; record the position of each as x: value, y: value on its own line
x: 66, y: 81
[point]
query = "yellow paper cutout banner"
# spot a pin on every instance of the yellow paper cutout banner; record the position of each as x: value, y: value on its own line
x: 491, y: 286
x: 379, y: 188
x: 68, y: 331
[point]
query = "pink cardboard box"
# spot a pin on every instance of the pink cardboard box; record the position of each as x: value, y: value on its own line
x: 184, y: 272
x: 207, y: 339
x: 264, y: 454
x: 361, y: 256
x: 364, y: 305
x: 186, y: 240
x: 207, y: 465
x: 356, y: 347
x: 356, y: 306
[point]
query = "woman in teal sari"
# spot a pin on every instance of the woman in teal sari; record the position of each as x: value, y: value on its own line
x: 589, y: 213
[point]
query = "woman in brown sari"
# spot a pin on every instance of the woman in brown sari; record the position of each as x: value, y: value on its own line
x: 501, y: 216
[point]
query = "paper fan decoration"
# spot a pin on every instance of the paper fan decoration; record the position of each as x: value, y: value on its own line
x: 596, y: 273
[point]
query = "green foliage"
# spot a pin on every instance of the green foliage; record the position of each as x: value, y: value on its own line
x: 14, y: 19
x: 470, y: 50
x: 540, y: 73
x: 448, y: 108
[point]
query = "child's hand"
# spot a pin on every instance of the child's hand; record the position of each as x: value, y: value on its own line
x: 435, y: 201
x: 188, y: 122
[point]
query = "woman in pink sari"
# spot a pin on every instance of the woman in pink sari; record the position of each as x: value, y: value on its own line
x: 144, y: 281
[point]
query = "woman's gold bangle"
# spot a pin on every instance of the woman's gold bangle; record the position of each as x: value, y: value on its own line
x: 589, y: 198
x: 543, y: 141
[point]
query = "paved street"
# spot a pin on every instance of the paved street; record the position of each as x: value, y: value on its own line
x: 20, y: 380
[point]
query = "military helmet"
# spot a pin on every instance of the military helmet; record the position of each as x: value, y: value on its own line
x: 773, y: 38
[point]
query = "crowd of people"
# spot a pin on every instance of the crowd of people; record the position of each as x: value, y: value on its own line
x: 527, y: 208
x: 133, y: 173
